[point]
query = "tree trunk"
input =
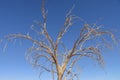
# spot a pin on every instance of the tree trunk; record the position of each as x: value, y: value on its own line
x: 60, y: 77
x: 60, y: 72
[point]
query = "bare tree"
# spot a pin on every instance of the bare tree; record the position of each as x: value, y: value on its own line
x: 62, y: 63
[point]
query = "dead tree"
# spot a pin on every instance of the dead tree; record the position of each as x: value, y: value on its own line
x: 45, y: 48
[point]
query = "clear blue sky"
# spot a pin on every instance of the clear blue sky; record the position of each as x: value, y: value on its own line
x: 16, y: 16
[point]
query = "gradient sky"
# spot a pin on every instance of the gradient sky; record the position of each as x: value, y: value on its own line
x: 16, y: 16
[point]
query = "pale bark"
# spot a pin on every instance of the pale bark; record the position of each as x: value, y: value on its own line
x: 48, y: 48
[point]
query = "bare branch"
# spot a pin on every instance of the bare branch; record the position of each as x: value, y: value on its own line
x: 44, y: 14
x: 61, y: 60
x: 67, y: 24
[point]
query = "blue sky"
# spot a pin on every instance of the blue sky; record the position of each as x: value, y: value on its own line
x: 16, y: 16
